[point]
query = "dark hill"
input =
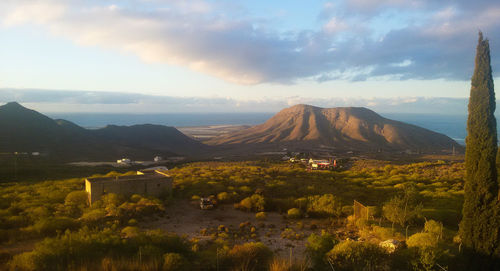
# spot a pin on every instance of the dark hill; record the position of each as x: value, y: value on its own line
x: 25, y: 130
x: 349, y: 128
x: 149, y: 136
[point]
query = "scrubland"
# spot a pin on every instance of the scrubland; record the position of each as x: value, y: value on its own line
x: 270, y: 216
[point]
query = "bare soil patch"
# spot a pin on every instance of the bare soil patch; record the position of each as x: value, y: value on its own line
x: 186, y: 218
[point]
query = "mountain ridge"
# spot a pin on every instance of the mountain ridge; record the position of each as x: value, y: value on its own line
x: 26, y: 130
x: 341, y: 127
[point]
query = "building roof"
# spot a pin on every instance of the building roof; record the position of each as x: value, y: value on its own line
x: 151, y: 176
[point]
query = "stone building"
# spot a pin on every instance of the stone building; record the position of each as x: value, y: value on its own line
x: 144, y: 183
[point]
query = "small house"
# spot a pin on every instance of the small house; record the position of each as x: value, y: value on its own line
x: 158, y: 159
x: 319, y: 164
x: 124, y: 161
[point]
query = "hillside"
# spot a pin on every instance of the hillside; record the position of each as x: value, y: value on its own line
x: 344, y: 128
x: 25, y: 130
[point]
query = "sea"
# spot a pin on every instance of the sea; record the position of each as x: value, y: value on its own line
x: 453, y: 126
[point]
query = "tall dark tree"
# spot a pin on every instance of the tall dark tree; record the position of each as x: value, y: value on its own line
x: 479, y: 227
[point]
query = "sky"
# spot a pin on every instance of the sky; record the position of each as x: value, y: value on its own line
x: 154, y: 56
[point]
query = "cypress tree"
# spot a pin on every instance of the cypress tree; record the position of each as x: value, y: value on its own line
x: 479, y: 227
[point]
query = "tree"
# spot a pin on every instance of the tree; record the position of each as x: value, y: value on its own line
x: 480, y: 227
x: 403, y: 208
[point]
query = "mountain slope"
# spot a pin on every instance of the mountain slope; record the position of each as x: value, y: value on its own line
x: 149, y: 136
x: 25, y: 130
x: 344, y: 128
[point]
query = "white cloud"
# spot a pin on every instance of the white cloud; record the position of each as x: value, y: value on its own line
x: 204, y: 36
x: 335, y: 25
x: 31, y: 12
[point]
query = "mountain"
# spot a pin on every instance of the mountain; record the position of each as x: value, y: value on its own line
x: 25, y: 130
x: 153, y: 137
x: 343, y: 128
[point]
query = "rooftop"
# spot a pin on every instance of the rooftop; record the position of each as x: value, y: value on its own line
x: 148, y: 176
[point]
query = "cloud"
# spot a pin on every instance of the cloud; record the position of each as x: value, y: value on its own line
x: 218, y: 39
x: 335, y: 25
x: 114, y: 102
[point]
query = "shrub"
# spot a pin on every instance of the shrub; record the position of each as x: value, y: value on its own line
x: 351, y: 255
x: 130, y: 232
x: 347, y: 210
x: 246, y: 204
x: 52, y: 225
x: 112, y: 200
x: 294, y: 213
x: 382, y: 232
x: 316, y: 248
x: 403, y: 208
x: 301, y: 203
x: 23, y: 261
x: 254, y: 203
x: 325, y: 205
x: 249, y: 256
x: 94, y: 216
x: 135, y: 198
x: 261, y: 215
x: 175, y: 262
x: 291, y: 234
x: 422, y: 240
x: 435, y: 228
x: 86, y: 248
x: 425, y: 249
x: 279, y: 265
x: 145, y: 207
x: 77, y: 198
x: 224, y: 197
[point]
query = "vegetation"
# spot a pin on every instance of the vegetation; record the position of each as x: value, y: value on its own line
x: 403, y: 208
x: 480, y: 226
x: 350, y: 255
x: 71, y: 235
x: 280, y: 187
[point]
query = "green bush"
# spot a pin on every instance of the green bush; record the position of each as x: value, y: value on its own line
x: 422, y: 240
x: 135, y: 198
x: 132, y: 222
x: 77, y: 198
x: 325, y: 205
x: 261, y: 215
x: 254, y: 203
x: 87, y: 248
x: 382, y: 232
x: 224, y: 197
x: 52, y: 225
x: 424, y: 247
x: 294, y: 213
x: 175, y: 262
x: 248, y: 256
x: 351, y: 255
x: 316, y: 248
x: 435, y: 228
x: 130, y: 231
